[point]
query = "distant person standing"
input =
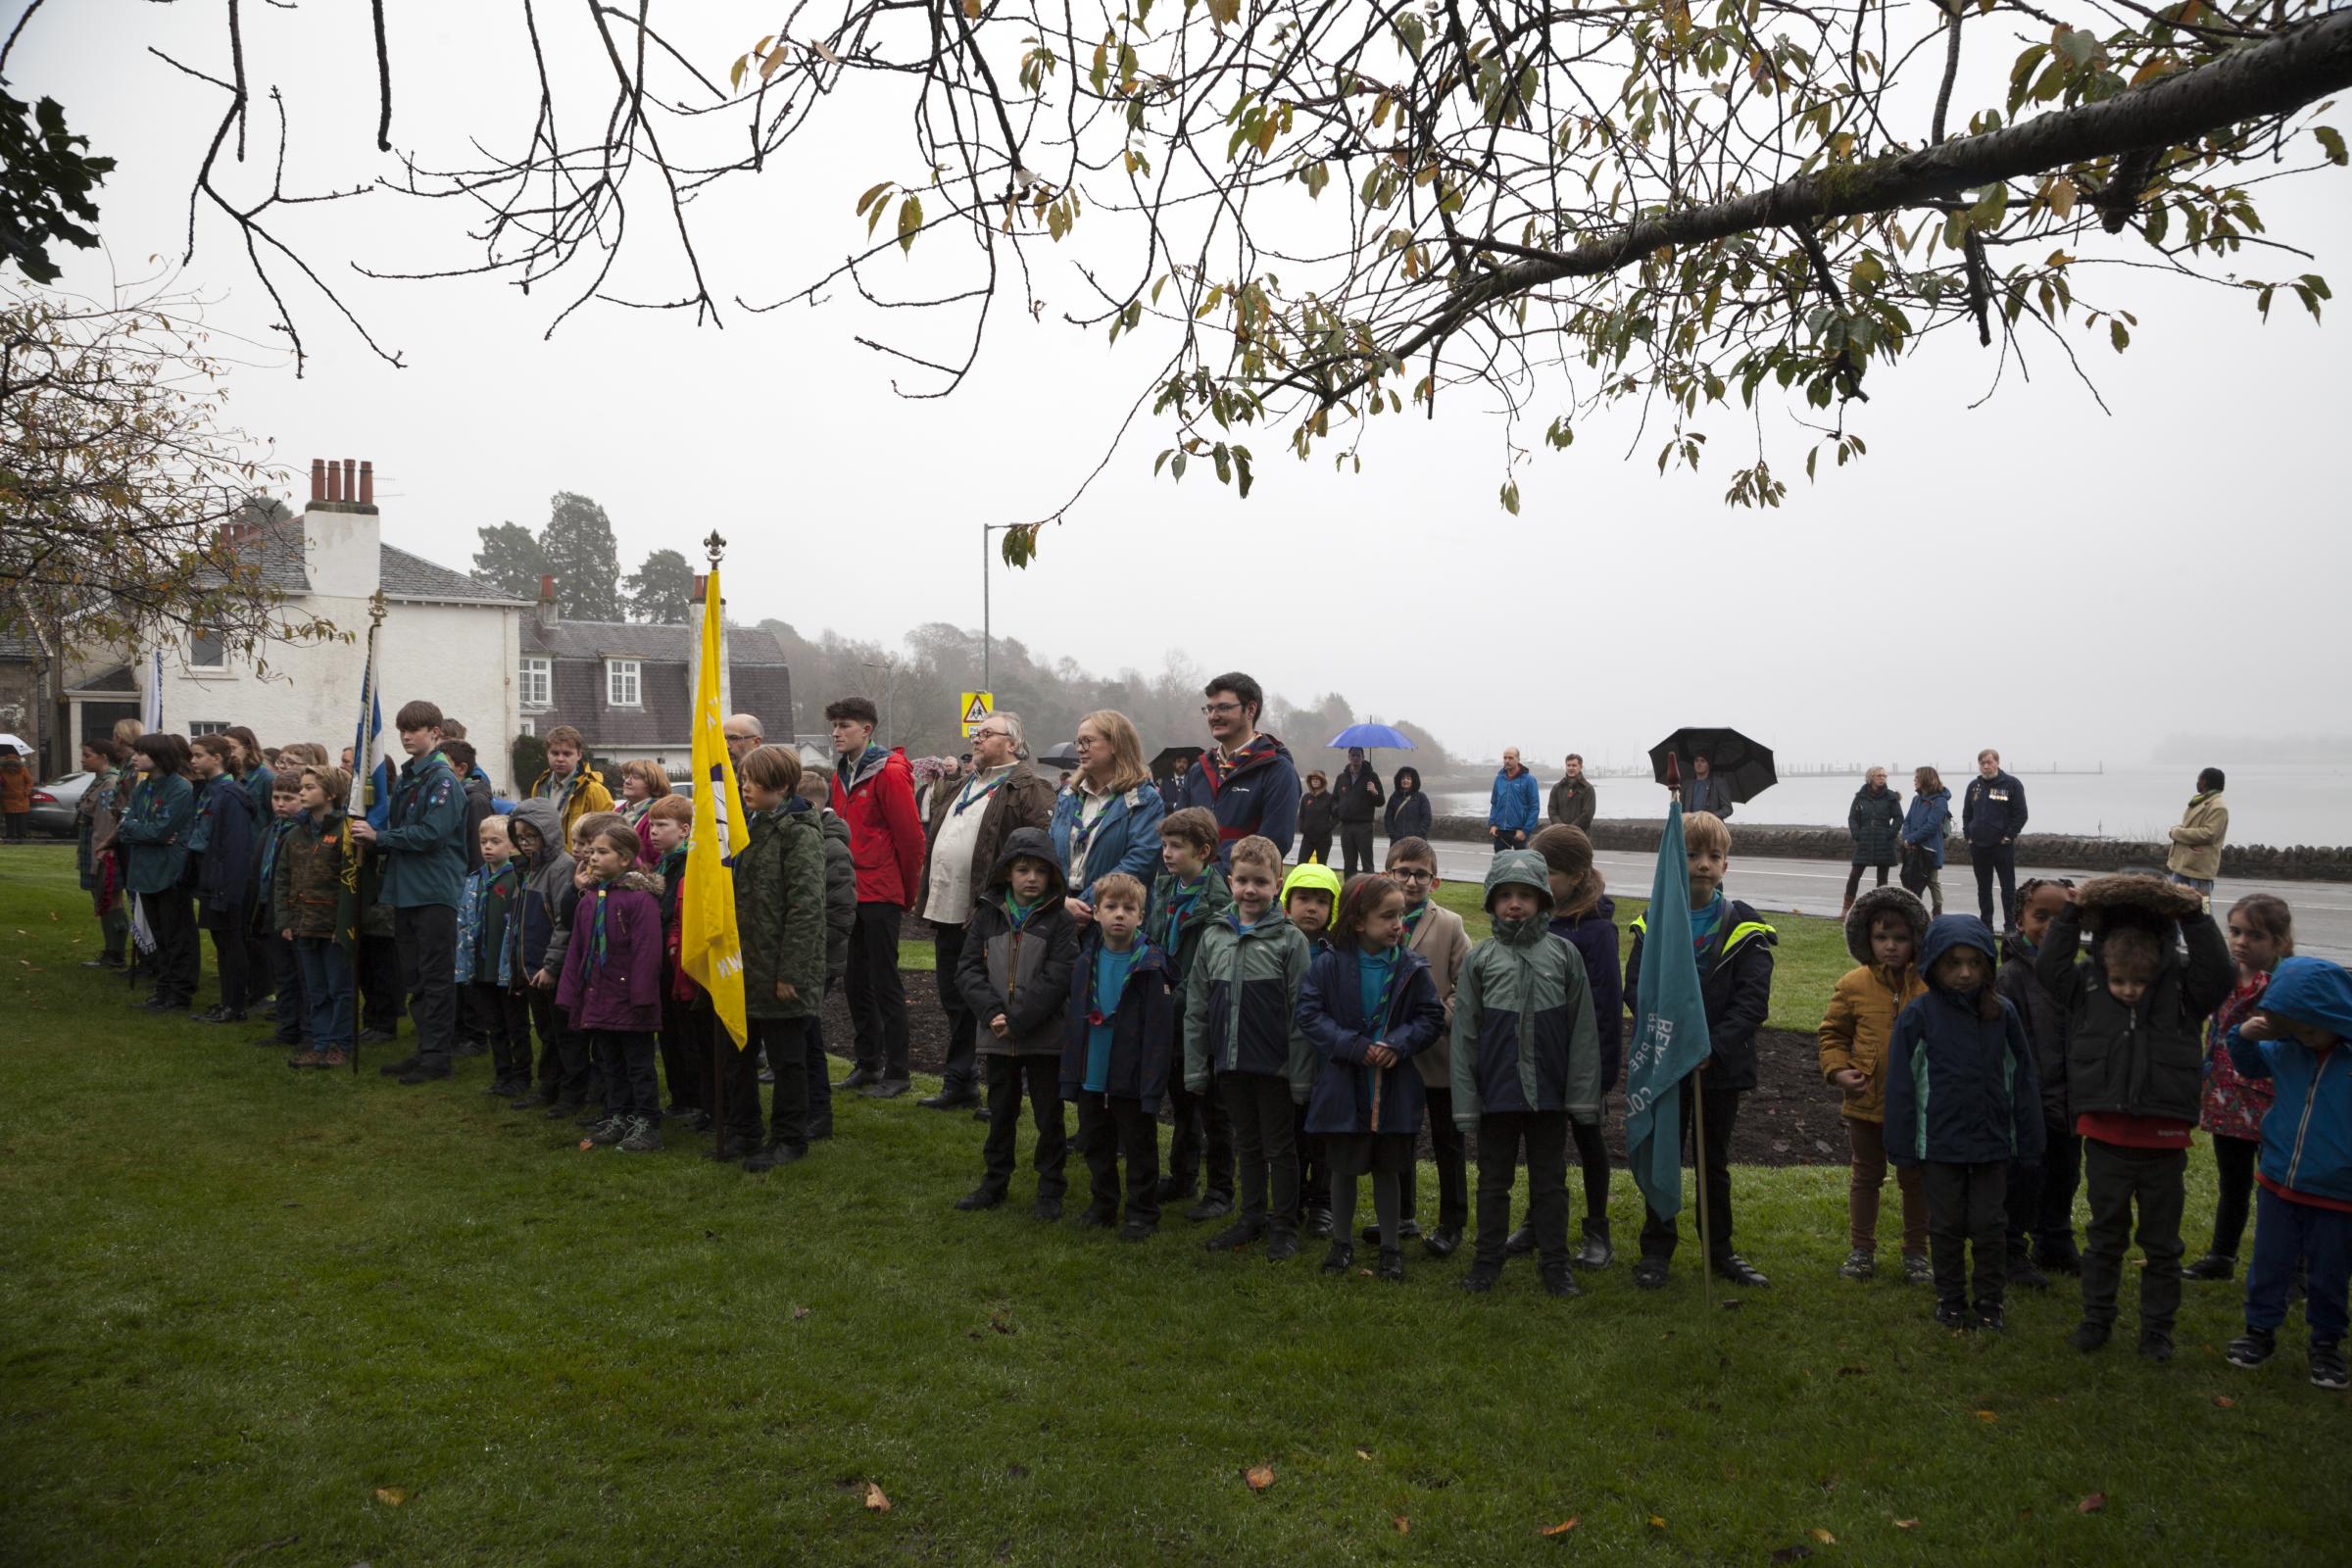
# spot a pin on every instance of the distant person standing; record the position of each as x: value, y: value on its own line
x: 1316, y: 819
x: 1514, y: 810
x: 1924, y: 827
x: 874, y: 791
x: 1705, y: 792
x: 1876, y: 821
x: 1247, y: 780
x: 1409, y: 812
x: 743, y: 734
x: 2197, y: 838
x: 1355, y: 802
x: 1572, y: 797
x: 1992, y: 818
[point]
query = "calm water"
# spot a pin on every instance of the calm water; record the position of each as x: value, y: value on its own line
x: 2277, y: 805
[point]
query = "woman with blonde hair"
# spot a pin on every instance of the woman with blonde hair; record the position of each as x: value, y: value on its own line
x: 642, y: 783
x: 1109, y: 818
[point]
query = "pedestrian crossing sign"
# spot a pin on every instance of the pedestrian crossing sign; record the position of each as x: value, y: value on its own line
x: 977, y: 706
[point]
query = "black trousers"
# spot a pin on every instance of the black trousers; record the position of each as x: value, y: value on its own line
x: 428, y: 934
x: 1201, y: 1149
x: 819, y: 1078
x: 1658, y: 1235
x: 1990, y: 859
x: 1111, y: 1129
x: 1452, y: 1161
x: 2119, y: 1178
x: 230, y: 956
x: 961, y: 1076
x: 2041, y: 1199
x: 555, y: 1050
x: 293, y: 1013
x: 2233, y: 1166
x: 1544, y: 1134
x: 378, y: 980
x: 1355, y: 844
x: 1317, y: 849
x: 1265, y: 1149
x: 786, y: 1040
x: 1314, y: 1164
x: 632, y: 1087
x: 1967, y: 1207
x: 1854, y: 878
x: 686, y: 1049
x: 171, y: 919
x: 877, y: 999
x: 502, y: 1019
x: 1041, y: 1075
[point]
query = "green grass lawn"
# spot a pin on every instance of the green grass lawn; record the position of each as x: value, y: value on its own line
x: 250, y: 1316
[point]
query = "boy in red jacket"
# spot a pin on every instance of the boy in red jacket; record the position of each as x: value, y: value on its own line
x: 873, y: 790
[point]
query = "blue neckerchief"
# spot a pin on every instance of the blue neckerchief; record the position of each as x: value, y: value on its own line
x: 1376, y: 983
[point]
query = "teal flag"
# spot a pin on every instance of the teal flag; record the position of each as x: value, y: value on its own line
x: 1670, y: 1036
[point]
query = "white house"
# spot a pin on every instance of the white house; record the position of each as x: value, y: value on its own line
x: 446, y: 637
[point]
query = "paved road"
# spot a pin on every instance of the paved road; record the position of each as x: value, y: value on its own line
x: 2323, y: 910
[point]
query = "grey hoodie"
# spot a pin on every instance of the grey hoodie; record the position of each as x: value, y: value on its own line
x: 546, y: 890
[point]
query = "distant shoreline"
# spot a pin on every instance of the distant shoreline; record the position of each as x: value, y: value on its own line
x: 2296, y: 863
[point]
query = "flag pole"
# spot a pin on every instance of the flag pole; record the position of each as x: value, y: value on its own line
x: 715, y: 546
x: 1698, y: 1156
x: 356, y: 852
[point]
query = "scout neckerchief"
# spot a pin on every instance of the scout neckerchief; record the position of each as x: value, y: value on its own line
x: 596, y: 928
x: 1180, y: 905
x: 1096, y: 1015
x: 1412, y: 920
x: 1018, y: 912
x: 967, y: 798
x: 1377, y: 1021
x: 1082, y: 833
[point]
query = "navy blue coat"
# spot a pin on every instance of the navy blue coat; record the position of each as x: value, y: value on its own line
x: 225, y: 865
x: 1594, y: 936
x: 1961, y: 1088
x: 1735, y: 974
x: 1992, y: 809
x: 1143, y: 1031
x: 1260, y: 796
x: 1350, y: 1096
x: 1409, y: 812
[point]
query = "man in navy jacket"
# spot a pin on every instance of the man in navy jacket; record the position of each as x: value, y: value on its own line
x: 1992, y: 818
x: 1245, y: 780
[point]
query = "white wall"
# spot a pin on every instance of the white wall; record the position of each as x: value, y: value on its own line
x: 465, y: 657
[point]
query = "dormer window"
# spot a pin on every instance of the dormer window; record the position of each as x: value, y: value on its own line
x: 621, y: 685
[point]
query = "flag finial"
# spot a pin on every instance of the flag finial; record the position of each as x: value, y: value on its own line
x: 715, y: 546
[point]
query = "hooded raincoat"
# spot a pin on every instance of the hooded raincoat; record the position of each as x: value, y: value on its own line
x: 1524, y: 1039
x: 1858, y: 1028
x: 1017, y: 961
x: 1960, y: 1087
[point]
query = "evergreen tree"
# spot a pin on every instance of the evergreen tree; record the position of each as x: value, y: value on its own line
x: 580, y: 551
x: 662, y: 590
x: 510, y: 561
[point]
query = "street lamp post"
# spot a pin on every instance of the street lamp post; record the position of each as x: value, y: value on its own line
x: 987, y: 683
x: 890, y: 682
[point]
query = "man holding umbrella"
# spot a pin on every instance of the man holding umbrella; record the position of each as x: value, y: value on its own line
x: 1513, y: 808
x: 1355, y: 802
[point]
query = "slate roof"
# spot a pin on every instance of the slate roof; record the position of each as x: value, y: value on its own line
x: 746, y: 646
x: 407, y: 576
x: 12, y: 647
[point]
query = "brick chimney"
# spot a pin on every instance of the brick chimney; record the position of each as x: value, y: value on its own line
x: 547, y: 603
x: 341, y: 534
x: 342, y: 484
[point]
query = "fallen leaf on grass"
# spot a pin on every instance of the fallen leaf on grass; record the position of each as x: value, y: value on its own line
x: 1824, y: 1537
x: 1986, y: 1415
x: 1907, y: 1524
x: 1405, y: 1526
x: 875, y: 1501
x: 799, y: 1312
x: 2225, y: 1401
x: 2092, y: 1503
x: 392, y: 1496
x: 1001, y: 1323
x: 1363, y: 1453
x: 1560, y: 1529
x: 1657, y: 1522
x: 1259, y: 1477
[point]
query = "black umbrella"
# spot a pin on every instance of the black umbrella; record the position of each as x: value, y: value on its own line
x: 1740, y: 765
x: 1176, y: 760
x: 1064, y: 756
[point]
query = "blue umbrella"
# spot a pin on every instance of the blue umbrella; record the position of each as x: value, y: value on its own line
x: 1370, y: 736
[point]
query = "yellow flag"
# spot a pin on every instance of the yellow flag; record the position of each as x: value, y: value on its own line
x: 710, y: 949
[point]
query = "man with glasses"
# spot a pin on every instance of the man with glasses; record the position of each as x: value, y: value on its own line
x: 1247, y: 780
x: 745, y: 734
x: 971, y: 817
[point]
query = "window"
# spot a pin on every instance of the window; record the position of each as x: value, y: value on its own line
x: 206, y: 651
x: 620, y: 683
x: 206, y: 726
x: 530, y: 726
x: 538, y: 682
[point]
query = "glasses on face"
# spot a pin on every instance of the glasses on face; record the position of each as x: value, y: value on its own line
x: 1087, y: 743
x: 992, y: 734
x: 1414, y: 873
x: 1212, y: 709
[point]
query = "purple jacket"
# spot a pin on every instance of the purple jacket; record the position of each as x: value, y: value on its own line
x: 622, y: 993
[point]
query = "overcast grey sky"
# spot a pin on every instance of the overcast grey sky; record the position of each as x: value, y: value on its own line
x: 1973, y: 582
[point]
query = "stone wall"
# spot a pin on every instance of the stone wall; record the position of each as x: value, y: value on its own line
x: 2300, y: 863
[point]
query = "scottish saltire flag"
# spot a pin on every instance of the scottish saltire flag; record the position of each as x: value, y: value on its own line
x: 710, y: 949
x: 371, y: 798
x: 151, y: 700
x: 1670, y: 1038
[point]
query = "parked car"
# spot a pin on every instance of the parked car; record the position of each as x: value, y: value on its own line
x: 55, y: 803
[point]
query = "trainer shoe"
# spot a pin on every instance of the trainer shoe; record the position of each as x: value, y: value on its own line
x: 1917, y: 1270
x: 612, y: 1130
x: 2212, y: 1266
x: 393, y: 1069
x: 645, y: 1136
x: 2327, y: 1369
x: 1740, y: 1271
x: 1955, y: 1315
x: 1559, y: 1280
x: 2252, y: 1347
x: 1650, y: 1274
x: 2156, y: 1344
x: 1859, y: 1265
x: 1481, y: 1278
x: 1216, y: 1205
x: 2089, y: 1337
x: 1990, y: 1319
x: 1340, y: 1258
x: 1235, y: 1237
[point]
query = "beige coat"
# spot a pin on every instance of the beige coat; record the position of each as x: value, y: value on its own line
x: 2197, y: 838
x: 1439, y: 937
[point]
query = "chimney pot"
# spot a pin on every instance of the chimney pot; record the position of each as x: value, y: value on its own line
x: 318, y: 479
x: 547, y: 586
x: 366, y: 484
x: 702, y: 586
x: 351, y: 479
x: 335, y: 480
